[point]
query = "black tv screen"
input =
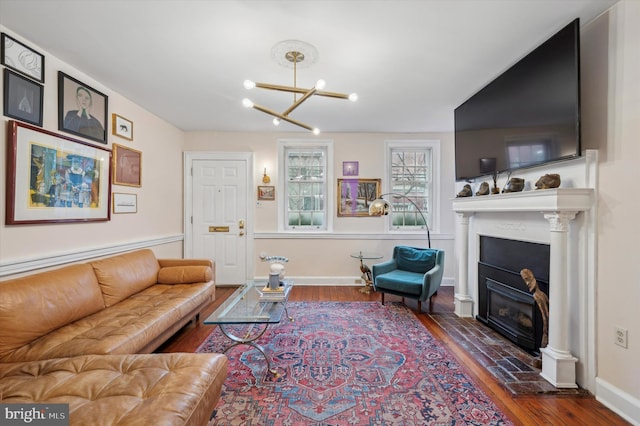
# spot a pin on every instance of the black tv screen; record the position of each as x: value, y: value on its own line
x: 528, y: 116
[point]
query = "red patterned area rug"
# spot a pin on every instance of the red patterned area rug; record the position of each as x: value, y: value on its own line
x: 348, y: 363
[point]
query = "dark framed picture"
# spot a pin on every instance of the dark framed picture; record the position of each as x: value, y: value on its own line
x: 127, y: 166
x: 23, y: 98
x: 53, y: 178
x: 355, y: 195
x: 266, y: 192
x: 21, y: 58
x: 349, y: 168
x: 82, y: 110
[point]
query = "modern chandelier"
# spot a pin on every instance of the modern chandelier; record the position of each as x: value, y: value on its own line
x: 293, y: 53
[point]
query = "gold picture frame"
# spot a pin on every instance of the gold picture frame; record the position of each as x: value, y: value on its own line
x: 266, y: 192
x: 121, y: 127
x: 354, y: 196
x: 127, y: 166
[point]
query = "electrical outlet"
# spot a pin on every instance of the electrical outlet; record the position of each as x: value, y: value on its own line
x: 621, y: 336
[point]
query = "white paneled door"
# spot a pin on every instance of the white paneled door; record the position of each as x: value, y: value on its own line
x: 218, y: 196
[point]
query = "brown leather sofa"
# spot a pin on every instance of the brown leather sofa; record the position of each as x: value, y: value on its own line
x: 82, y: 335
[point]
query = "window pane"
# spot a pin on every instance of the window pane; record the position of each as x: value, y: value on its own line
x: 410, y: 177
x: 306, y: 187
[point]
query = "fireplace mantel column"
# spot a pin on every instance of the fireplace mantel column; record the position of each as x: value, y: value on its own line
x: 558, y: 365
x: 462, y: 300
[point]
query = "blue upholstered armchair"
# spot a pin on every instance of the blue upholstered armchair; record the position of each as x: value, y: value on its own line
x: 413, y: 272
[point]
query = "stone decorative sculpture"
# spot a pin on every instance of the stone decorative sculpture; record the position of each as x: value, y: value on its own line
x: 514, y: 185
x: 550, y: 180
x: 465, y: 191
x: 484, y: 189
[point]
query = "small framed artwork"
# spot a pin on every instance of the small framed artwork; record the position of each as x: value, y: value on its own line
x: 127, y: 166
x: 82, y: 110
x: 21, y: 58
x: 266, y: 192
x: 349, y: 168
x: 125, y: 203
x: 355, y: 195
x: 22, y: 98
x: 52, y: 178
x: 121, y: 127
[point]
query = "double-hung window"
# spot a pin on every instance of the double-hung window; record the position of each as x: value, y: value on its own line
x: 306, y: 190
x: 413, y: 184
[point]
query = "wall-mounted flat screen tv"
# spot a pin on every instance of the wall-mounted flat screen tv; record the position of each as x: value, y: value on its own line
x: 528, y: 116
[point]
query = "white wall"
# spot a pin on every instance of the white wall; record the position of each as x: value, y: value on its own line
x: 320, y: 259
x: 22, y: 246
x: 618, y: 292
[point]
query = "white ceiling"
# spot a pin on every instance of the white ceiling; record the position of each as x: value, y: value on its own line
x: 410, y: 61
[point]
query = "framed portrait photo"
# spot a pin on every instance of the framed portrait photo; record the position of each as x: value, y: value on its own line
x: 121, y: 127
x: 21, y: 58
x: 355, y: 195
x: 53, y: 178
x: 127, y: 166
x: 23, y: 98
x: 82, y: 110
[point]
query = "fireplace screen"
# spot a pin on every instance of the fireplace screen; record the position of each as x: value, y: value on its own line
x: 512, y: 312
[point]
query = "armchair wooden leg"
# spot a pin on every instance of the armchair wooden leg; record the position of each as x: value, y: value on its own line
x: 382, y: 297
x: 419, y: 307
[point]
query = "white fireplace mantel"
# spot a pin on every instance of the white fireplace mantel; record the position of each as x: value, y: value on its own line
x: 558, y: 207
x: 543, y: 200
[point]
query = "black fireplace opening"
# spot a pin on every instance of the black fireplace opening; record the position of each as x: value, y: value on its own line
x: 504, y: 301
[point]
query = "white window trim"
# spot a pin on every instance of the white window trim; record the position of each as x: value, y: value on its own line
x: 434, y: 145
x: 329, y: 202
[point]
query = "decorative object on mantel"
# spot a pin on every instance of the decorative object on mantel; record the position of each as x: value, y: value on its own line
x: 550, y: 180
x: 291, y: 53
x: 495, y: 189
x: 465, y: 191
x: 542, y: 300
x: 484, y: 189
x: 514, y: 185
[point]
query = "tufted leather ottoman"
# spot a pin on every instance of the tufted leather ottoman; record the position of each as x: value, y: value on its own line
x: 138, y: 389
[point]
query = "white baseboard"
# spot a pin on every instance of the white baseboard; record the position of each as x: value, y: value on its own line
x: 618, y: 401
x: 337, y: 281
x: 12, y: 267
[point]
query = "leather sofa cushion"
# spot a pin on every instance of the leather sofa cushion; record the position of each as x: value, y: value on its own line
x: 415, y: 260
x: 123, y: 328
x: 34, y: 306
x: 121, y: 276
x: 184, y: 274
x: 141, y: 389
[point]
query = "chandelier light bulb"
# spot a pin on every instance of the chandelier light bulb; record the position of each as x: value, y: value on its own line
x: 316, y: 131
x: 353, y: 97
x: 321, y: 84
x: 247, y: 103
x: 248, y: 84
x: 276, y: 121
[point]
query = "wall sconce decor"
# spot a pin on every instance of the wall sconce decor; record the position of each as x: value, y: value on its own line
x: 349, y: 168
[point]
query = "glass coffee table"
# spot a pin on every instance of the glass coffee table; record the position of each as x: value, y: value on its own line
x: 246, y: 314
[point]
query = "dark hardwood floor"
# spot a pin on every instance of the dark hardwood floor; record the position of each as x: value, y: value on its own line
x: 522, y: 409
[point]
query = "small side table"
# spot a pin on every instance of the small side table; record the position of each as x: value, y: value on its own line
x: 366, y: 272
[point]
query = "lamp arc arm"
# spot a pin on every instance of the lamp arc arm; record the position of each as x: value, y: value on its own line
x: 426, y: 224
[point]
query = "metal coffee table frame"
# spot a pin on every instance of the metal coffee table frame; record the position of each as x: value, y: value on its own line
x: 250, y: 305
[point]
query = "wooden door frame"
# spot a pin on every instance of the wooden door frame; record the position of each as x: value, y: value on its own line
x: 189, y: 157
